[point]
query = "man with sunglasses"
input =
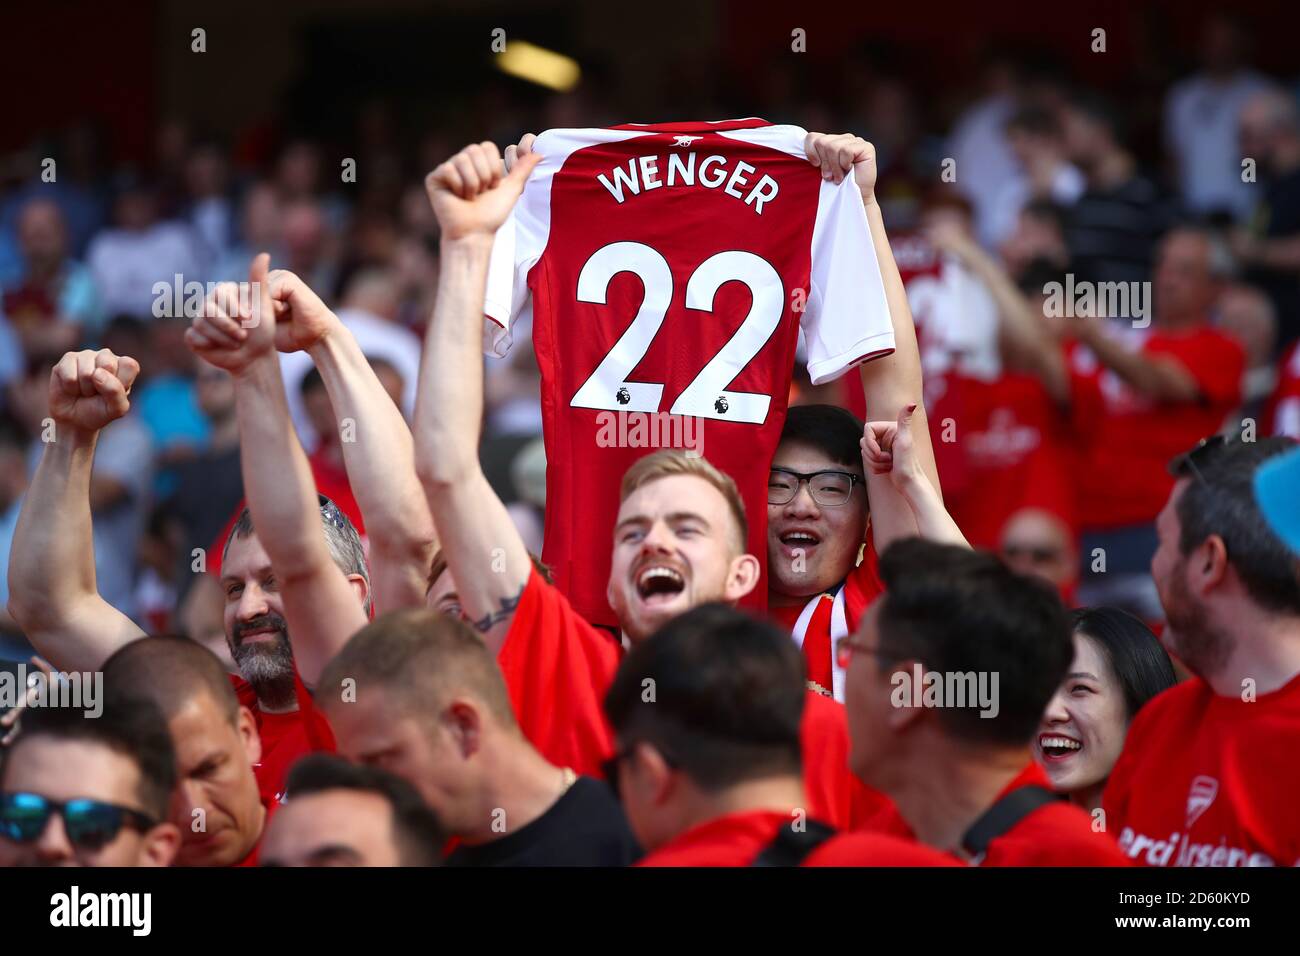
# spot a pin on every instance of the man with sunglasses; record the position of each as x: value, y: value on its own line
x: 76, y: 791
x: 1207, y: 776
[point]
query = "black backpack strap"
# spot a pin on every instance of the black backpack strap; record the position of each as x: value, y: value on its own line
x: 1004, y: 815
x: 791, y: 847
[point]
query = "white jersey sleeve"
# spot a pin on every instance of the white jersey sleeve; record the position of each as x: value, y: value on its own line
x: 846, y: 319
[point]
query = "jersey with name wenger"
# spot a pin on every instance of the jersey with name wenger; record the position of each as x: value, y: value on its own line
x: 558, y: 667
x: 1207, y: 780
x: 668, y: 271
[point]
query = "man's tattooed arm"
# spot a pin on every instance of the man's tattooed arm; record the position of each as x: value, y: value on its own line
x: 504, y: 613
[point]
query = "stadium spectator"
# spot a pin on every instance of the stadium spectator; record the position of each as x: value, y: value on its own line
x: 369, y: 313
x: 709, y: 767
x: 82, y: 790
x: 259, y: 229
x: 1201, y: 121
x: 218, y: 804
x: 932, y: 731
x: 54, y: 301
x: 1247, y: 314
x: 1038, y: 543
x: 416, y: 692
x: 340, y: 814
x: 1191, y: 787
x: 1113, y: 227
x: 1035, y: 137
x: 374, y: 440
x: 52, y: 575
x: 1118, y: 666
x: 141, y: 251
x: 1150, y: 392
x: 1269, y: 249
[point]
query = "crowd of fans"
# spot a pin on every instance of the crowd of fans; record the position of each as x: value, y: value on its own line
x: 1081, y: 319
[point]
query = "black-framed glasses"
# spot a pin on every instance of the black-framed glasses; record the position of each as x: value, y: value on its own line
x: 830, y: 487
x: 90, y: 824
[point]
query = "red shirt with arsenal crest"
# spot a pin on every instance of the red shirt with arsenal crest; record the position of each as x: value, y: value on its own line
x: 1208, y: 780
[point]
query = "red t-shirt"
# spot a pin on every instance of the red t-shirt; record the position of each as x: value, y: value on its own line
x: 875, y: 849
x: 558, y: 667
x: 1206, y: 780
x: 285, y: 737
x: 1056, y: 834
x: 732, y: 840
x: 1126, y: 481
x: 669, y: 270
x: 1014, y: 441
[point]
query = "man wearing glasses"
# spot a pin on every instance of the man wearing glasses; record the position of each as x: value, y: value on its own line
x: 76, y: 791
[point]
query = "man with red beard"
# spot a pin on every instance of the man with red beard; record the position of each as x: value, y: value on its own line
x: 679, y: 538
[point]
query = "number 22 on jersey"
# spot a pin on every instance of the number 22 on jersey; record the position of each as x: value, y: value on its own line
x: 707, y: 395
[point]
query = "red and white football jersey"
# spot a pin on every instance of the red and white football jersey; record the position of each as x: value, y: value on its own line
x: 668, y: 271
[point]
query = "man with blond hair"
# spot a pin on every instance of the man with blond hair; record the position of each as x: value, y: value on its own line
x: 679, y: 537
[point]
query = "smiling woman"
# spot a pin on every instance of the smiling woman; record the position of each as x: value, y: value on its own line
x: 1118, y: 666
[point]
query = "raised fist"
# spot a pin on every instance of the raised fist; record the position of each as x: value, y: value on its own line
x: 836, y: 153
x: 472, y: 194
x: 888, y: 448
x: 89, y: 389
x: 301, y: 318
x: 237, y: 324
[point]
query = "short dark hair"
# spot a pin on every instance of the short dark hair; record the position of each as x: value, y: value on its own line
x: 132, y: 727
x: 169, y: 672
x: 728, y: 697
x: 416, y: 831
x: 1134, y: 653
x: 1219, y: 499
x: 963, y: 611
x: 417, y: 657
x: 833, y: 431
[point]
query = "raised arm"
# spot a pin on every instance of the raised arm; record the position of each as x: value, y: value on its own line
x: 1028, y: 334
x: 323, y: 607
x: 52, y: 591
x: 1160, y: 377
x: 378, y: 450
x: 471, y: 195
x: 889, y: 454
x: 892, y: 383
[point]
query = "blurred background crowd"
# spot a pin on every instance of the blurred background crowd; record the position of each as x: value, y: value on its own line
x: 1012, y: 153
